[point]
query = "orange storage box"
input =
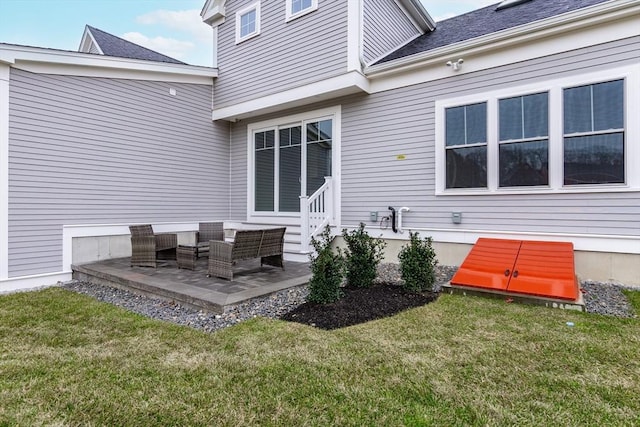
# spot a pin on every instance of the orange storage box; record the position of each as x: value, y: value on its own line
x: 520, y: 266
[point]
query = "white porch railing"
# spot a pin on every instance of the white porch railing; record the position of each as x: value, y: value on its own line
x: 316, y: 212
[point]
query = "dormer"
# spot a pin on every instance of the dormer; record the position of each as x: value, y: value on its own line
x: 88, y: 43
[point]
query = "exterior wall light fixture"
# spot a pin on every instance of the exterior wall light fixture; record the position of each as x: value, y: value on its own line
x: 455, y: 64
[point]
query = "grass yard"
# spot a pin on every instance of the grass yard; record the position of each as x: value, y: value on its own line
x: 66, y: 359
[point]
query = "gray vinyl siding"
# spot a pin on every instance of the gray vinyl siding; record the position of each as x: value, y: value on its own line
x: 386, y: 27
x: 402, y: 121
x: 93, y: 49
x: 284, y: 55
x: 238, y: 171
x: 107, y: 151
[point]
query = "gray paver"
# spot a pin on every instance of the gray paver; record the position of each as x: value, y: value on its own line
x: 193, y: 287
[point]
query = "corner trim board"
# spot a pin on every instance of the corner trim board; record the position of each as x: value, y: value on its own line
x: 4, y: 171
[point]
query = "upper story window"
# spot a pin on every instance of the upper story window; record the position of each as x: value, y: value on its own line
x: 248, y: 22
x: 298, y: 8
x: 569, y: 134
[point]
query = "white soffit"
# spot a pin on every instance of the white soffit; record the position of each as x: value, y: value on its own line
x: 346, y: 84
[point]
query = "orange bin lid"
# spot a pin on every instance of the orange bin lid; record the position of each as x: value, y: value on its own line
x: 489, y: 264
x: 520, y: 266
x: 546, y: 269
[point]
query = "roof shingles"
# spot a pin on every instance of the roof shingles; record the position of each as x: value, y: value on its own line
x: 115, y: 46
x: 486, y: 21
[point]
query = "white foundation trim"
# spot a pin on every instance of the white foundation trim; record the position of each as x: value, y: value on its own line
x: 581, y: 242
x: 32, y: 282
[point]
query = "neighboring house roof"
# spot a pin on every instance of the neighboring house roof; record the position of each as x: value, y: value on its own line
x: 486, y: 21
x: 100, y: 42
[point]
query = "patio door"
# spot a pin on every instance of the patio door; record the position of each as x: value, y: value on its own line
x: 290, y: 160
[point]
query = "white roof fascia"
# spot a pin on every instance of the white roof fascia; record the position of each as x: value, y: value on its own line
x: 593, y: 15
x: 50, y: 61
x: 87, y: 41
x: 418, y: 14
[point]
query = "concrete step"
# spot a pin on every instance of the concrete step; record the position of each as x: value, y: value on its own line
x: 296, y: 256
x: 292, y: 239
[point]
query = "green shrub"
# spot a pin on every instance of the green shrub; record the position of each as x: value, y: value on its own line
x: 327, y: 270
x: 362, y: 256
x: 417, y: 264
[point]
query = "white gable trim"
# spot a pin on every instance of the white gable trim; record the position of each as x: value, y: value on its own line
x: 49, y: 61
x: 418, y: 14
x: 345, y: 84
x: 4, y: 171
x: 213, y: 12
x: 87, y: 41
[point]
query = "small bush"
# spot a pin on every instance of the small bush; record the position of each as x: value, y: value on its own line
x: 362, y: 256
x: 417, y: 264
x: 327, y: 270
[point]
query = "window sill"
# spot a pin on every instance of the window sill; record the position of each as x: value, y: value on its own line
x: 248, y: 37
x: 300, y: 14
x: 613, y: 188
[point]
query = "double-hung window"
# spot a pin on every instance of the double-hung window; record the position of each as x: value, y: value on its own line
x: 568, y: 134
x: 466, y: 146
x: 594, y: 134
x: 298, y: 8
x: 248, y: 22
x: 523, y: 152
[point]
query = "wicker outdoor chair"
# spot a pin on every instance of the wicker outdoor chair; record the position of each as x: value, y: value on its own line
x: 208, y: 231
x: 267, y: 245
x: 147, y: 247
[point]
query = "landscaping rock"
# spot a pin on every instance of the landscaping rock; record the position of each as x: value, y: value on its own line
x: 600, y: 297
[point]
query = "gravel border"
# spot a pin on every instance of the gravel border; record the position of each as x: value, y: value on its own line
x: 600, y: 297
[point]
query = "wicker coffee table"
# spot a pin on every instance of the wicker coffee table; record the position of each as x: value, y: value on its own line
x: 187, y: 255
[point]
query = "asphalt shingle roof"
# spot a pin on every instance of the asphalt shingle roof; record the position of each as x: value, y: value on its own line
x: 486, y: 21
x: 115, y: 46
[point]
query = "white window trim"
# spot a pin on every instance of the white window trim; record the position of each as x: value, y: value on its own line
x: 333, y: 113
x: 631, y: 75
x: 254, y: 6
x: 291, y: 16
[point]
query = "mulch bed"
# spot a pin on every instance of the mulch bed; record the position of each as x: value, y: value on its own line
x: 359, y: 305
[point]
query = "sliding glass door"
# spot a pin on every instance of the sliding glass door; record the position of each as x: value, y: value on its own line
x: 290, y: 160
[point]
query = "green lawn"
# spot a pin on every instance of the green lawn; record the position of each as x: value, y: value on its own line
x: 66, y: 359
